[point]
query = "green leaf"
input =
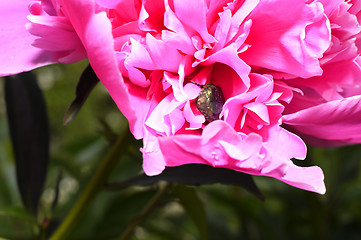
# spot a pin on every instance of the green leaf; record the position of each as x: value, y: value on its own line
x: 194, y: 174
x: 16, y: 224
x: 28, y: 123
x: 193, y: 206
x: 86, y: 83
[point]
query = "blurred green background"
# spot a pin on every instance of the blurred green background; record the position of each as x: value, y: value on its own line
x: 231, y: 212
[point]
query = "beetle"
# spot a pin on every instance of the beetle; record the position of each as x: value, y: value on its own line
x: 210, y: 101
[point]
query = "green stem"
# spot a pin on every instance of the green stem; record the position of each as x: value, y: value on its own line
x: 94, y: 186
x: 152, y: 204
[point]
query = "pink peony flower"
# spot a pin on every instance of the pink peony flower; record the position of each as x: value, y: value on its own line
x: 276, y: 62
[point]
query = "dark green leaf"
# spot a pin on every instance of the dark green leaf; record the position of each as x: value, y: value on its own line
x: 86, y: 83
x: 194, y: 207
x: 195, y: 174
x: 57, y: 190
x: 29, y: 132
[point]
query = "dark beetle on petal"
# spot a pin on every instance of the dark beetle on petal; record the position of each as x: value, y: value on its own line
x: 210, y: 101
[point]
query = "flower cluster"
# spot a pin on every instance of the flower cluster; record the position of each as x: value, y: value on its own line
x: 284, y: 67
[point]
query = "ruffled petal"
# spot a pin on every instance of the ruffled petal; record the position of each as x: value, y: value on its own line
x: 291, y: 46
x: 220, y: 146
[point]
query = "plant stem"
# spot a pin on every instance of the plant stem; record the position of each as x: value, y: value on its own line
x: 152, y: 204
x: 94, y: 186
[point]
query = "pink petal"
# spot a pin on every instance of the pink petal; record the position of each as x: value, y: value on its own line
x: 166, y: 118
x: 221, y: 146
x: 181, y: 149
x: 112, y: 4
x: 56, y: 34
x: 151, y: 15
x: 214, y: 8
x: 173, y: 80
x: 285, y: 45
x: 283, y: 146
x: 136, y: 76
x: 167, y: 58
x: 287, y: 92
x: 307, y: 178
x: 193, y: 14
x: 127, y: 9
x: 191, y: 90
x: 195, y: 121
x: 17, y: 53
x: 338, y: 120
x: 153, y: 160
x: 49, y: 7
x: 260, y: 109
x: 233, y: 86
x: 344, y: 24
x: 229, y: 56
x: 222, y: 29
x: 339, y: 79
x: 175, y: 120
x: 251, y: 145
x: 261, y: 89
x: 95, y: 31
x: 330, y: 6
x: 177, y: 36
x: 244, y: 10
x: 139, y: 56
x: 240, y: 15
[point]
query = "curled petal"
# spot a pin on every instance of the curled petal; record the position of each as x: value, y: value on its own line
x: 229, y: 56
x: 193, y: 14
x: 165, y: 57
x: 195, y: 121
x: 338, y: 120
